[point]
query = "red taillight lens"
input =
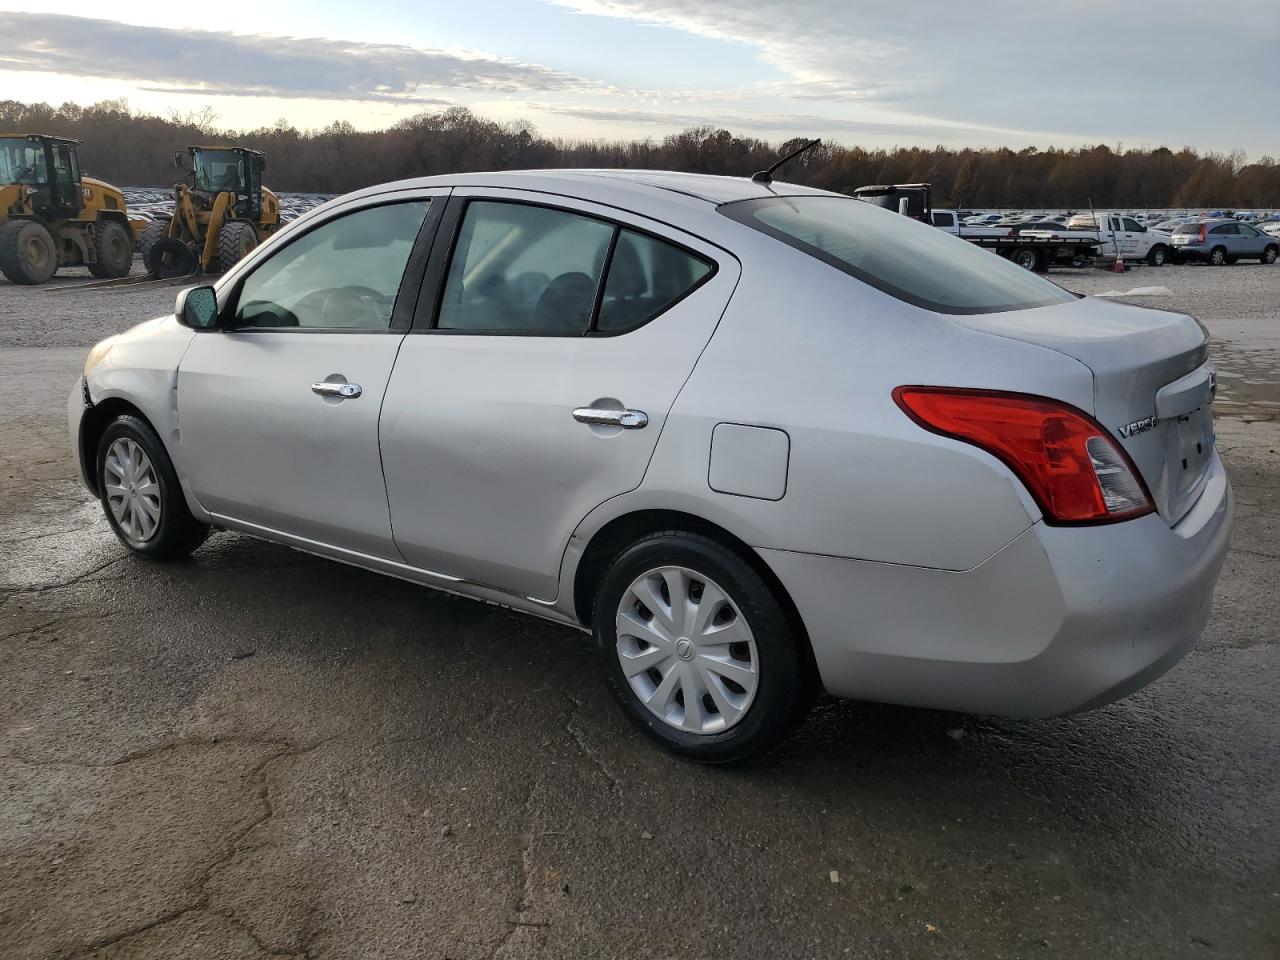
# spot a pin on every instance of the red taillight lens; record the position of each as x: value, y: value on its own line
x: 1204, y: 233
x: 1073, y: 468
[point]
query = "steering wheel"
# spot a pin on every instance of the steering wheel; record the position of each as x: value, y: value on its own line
x: 352, y: 307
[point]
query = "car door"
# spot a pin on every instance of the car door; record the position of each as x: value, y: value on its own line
x: 279, y: 406
x: 534, y: 385
x: 1252, y: 242
x: 1135, y: 243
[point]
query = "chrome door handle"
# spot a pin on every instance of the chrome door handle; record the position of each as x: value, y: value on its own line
x: 627, y: 419
x: 343, y: 391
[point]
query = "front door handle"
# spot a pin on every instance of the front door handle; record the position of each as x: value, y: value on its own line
x: 343, y: 391
x: 627, y: 419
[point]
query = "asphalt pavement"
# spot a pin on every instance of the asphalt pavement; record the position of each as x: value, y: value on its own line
x: 259, y: 753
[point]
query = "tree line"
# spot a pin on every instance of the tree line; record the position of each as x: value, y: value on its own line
x: 129, y: 148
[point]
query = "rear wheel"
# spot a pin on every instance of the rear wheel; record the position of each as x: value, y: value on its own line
x: 697, y: 650
x: 235, y: 240
x: 1157, y: 255
x: 28, y: 254
x: 115, y: 250
x: 1218, y: 256
x: 1026, y: 258
x: 140, y: 493
x: 1270, y: 254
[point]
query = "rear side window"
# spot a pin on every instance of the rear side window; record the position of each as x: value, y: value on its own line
x: 907, y: 260
x: 1226, y: 228
x: 1187, y: 228
x: 524, y: 269
x: 646, y: 277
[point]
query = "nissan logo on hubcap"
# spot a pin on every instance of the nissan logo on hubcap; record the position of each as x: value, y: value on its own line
x: 684, y: 648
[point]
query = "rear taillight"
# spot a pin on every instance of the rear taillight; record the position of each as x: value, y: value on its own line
x: 1073, y: 468
x: 1204, y: 234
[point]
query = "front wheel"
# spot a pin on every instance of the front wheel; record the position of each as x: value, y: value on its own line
x: 1270, y: 254
x: 697, y: 650
x: 140, y: 493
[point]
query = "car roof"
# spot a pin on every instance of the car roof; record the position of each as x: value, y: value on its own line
x: 591, y: 183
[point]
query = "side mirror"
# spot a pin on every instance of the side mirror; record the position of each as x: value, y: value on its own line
x: 197, y: 308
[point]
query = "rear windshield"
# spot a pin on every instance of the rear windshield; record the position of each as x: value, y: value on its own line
x: 1187, y: 228
x: 908, y: 260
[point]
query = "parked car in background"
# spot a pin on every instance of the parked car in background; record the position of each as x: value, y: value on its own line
x: 1271, y: 228
x: 1115, y: 233
x: 582, y: 395
x: 1218, y: 242
x: 946, y: 220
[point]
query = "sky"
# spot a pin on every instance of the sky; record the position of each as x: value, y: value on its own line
x: 866, y: 72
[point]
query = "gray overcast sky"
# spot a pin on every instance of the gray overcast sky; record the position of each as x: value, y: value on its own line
x: 959, y: 72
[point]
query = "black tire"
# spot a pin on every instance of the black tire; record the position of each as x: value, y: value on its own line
x: 235, y: 240
x: 177, y: 533
x: 1026, y: 258
x: 152, y: 232
x: 169, y: 258
x: 28, y: 254
x: 115, y: 250
x: 784, y: 691
x: 1270, y: 254
x: 1218, y: 257
x: 1157, y: 255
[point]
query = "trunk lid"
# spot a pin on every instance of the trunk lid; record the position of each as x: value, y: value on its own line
x: 1152, y: 384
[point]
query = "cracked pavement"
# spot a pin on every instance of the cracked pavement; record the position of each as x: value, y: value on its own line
x: 262, y: 754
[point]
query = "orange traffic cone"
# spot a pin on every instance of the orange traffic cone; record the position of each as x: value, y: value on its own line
x: 1119, y: 267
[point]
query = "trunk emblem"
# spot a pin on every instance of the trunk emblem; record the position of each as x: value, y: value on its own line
x: 1138, y: 426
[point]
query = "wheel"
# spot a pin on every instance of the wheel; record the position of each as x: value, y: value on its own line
x: 169, y: 258
x: 1157, y: 255
x: 235, y: 240
x: 696, y: 649
x: 1270, y: 254
x: 152, y: 232
x: 140, y: 492
x: 115, y: 250
x: 28, y: 254
x: 1026, y: 258
x: 1218, y: 256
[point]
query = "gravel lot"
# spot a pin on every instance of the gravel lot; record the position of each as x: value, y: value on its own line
x: 259, y: 753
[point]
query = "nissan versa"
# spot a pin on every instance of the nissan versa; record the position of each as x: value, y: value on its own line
x: 761, y: 439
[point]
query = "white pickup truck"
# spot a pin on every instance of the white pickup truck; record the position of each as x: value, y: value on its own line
x: 1115, y: 230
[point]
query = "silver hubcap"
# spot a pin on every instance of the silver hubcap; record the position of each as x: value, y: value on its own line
x: 133, y: 490
x: 687, y: 650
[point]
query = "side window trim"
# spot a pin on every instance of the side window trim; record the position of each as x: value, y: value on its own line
x: 410, y: 280
x: 426, y: 316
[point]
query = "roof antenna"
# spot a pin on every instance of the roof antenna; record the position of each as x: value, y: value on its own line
x: 766, y: 176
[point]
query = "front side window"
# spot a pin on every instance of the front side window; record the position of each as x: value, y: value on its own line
x: 524, y: 269
x: 1133, y: 226
x: 344, y: 274
x: 905, y: 259
x: 943, y: 220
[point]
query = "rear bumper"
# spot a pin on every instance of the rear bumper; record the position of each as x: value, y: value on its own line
x: 1062, y: 619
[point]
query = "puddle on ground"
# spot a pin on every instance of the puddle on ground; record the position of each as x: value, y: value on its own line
x: 1248, y: 381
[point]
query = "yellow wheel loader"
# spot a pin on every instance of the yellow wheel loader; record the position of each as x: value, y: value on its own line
x: 220, y: 213
x: 51, y: 216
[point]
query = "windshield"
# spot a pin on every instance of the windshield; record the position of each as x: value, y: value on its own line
x: 22, y: 161
x: 219, y: 170
x: 906, y: 259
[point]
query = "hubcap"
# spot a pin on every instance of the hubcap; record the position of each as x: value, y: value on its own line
x: 686, y: 650
x: 132, y: 489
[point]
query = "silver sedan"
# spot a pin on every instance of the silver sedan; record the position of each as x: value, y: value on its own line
x: 761, y: 440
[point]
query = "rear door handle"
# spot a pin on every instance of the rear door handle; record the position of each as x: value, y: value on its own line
x: 627, y: 419
x: 343, y: 391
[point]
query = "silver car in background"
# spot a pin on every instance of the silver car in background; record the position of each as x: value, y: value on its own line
x: 1219, y: 242
x: 760, y: 439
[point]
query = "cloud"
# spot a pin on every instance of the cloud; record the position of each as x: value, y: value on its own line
x: 1100, y: 67
x: 791, y: 123
x: 203, y: 62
